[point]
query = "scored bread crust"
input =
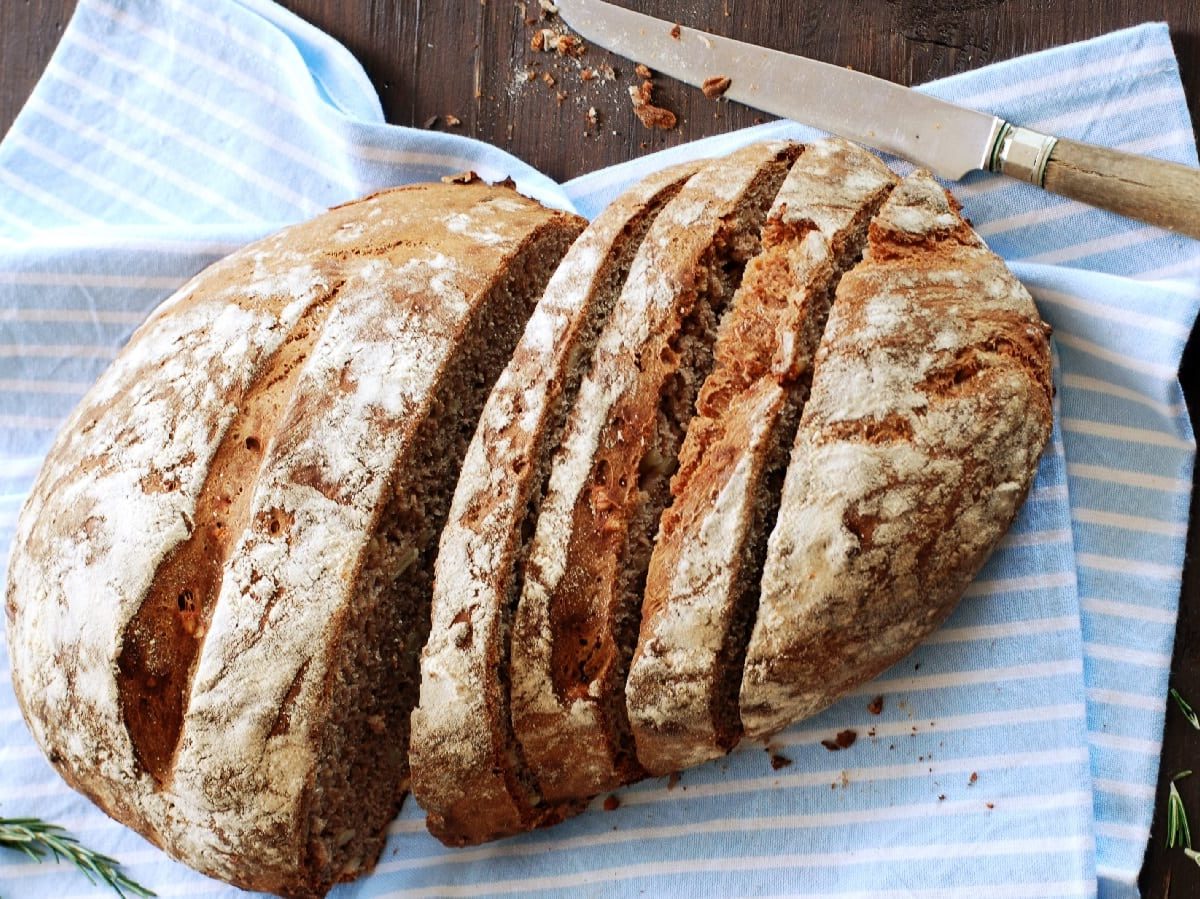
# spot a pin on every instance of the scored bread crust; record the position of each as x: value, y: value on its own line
x: 467, y: 772
x: 702, y: 584
x: 575, y: 626
x: 358, y: 313
x: 929, y: 409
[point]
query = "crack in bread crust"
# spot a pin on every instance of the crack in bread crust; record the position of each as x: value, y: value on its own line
x: 161, y: 642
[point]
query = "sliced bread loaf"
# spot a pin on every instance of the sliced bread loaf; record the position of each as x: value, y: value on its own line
x: 930, y: 407
x: 576, y: 623
x: 467, y: 769
x: 220, y: 582
x: 702, y: 585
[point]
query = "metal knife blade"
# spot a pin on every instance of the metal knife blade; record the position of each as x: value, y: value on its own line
x: 948, y: 139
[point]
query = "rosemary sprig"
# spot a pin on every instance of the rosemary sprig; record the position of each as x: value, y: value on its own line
x: 1178, y: 833
x: 1188, y: 711
x: 36, y: 838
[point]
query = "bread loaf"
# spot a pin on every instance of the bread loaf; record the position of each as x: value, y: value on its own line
x: 220, y: 582
x: 930, y: 406
x: 702, y: 585
x: 226, y: 570
x: 576, y: 623
x: 467, y: 768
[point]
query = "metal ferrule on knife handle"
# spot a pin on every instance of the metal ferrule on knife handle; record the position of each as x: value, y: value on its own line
x: 1022, y: 153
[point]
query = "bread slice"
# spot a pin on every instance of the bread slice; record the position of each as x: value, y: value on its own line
x: 467, y: 769
x: 930, y: 406
x: 702, y: 585
x: 576, y: 624
x: 220, y: 583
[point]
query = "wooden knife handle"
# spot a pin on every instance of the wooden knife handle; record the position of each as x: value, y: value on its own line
x: 1160, y: 193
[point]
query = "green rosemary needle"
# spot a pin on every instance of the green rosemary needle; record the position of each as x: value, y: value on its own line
x: 1178, y: 833
x: 1188, y: 711
x: 36, y: 838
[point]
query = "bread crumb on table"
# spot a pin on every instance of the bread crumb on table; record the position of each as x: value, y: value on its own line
x: 611, y: 803
x: 875, y: 706
x: 675, y: 31
x: 779, y: 761
x: 844, y: 740
x: 714, y: 88
x: 453, y: 121
x: 569, y: 45
x: 642, y: 71
x: 650, y: 115
x: 547, y: 40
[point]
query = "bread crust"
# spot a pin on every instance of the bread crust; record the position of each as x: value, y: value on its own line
x: 467, y: 769
x: 702, y: 584
x: 930, y: 407
x: 575, y: 626
x: 400, y: 274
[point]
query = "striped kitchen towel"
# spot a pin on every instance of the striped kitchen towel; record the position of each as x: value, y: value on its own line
x: 1017, y: 749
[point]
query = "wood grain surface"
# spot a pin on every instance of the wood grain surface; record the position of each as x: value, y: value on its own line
x: 471, y: 60
x: 1150, y: 190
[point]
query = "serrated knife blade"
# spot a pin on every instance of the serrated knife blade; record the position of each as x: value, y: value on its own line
x: 949, y: 140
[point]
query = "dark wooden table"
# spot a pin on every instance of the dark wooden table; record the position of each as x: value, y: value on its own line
x: 467, y: 62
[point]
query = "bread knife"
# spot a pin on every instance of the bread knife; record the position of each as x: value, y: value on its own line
x: 949, y: 140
